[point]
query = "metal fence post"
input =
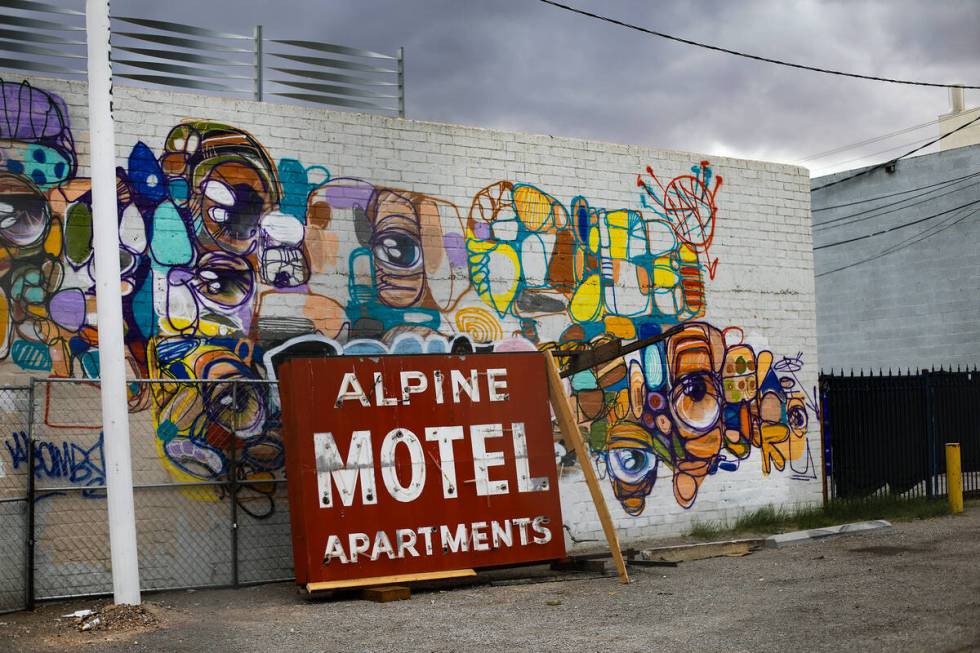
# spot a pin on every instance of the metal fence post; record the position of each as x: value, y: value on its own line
x: 31, y: 490
x: 258, y: 63
x: 233, y: 485
x: 820, y: 392
x: 930, y: 435
x: 401, y: 82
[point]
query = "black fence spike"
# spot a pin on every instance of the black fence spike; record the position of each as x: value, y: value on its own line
x: 889, y: 371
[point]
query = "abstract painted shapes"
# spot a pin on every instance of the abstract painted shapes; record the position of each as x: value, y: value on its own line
x: 35, y: 138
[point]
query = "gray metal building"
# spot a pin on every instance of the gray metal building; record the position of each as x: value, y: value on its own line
x: 897, y: 263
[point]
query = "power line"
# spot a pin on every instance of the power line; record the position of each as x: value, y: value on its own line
x: 869, y: 155
x: 876, y: 139
x: 754, y: 57
x: 867, y: 171
x: 849, y: 221
x: 887, y: 195
x: 914, y: 240
x: 896, y: 227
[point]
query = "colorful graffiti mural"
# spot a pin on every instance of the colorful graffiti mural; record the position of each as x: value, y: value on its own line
x: 230, y: 258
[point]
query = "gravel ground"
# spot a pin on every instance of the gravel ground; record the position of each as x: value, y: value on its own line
x: 913, y: 588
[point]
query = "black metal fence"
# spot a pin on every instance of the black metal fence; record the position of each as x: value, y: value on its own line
x: 886, y: 433
x: 208, y: 480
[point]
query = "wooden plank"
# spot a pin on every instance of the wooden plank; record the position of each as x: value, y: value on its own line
x: 702, y: 551
x: 569, y: 431
x: 388, y: 580
x: 386, y: 593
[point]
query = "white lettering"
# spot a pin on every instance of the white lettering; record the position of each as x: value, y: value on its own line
x: 496, y: 385
x: 445, y: 435
x: 522, y: 523
x: 525, y: 483
x: 426, y: 532
x: 422, y: 382
x: 358, y: 543
x: 382, y: 545
x: 538, y: 526
x: 479, y: 536
x: 331, y: 467
x: 379, y: 392
x: 389, y: 472
x: 454, y: 542
x: 471, y: 387
x: 406, y: 542
x: 438, y: 378
x: 501, y: 536
x: 350, y: 388
x: 483, y: 460
x: 334, y: 549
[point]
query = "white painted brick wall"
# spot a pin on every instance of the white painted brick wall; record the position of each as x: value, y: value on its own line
x: 764, y: 281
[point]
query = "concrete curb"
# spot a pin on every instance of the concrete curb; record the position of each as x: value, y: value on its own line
x: 797, y: 537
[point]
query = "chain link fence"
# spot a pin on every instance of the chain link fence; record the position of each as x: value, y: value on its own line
x: 208, y: 481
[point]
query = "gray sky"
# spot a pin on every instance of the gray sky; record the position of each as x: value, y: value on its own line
x: 523, y: 65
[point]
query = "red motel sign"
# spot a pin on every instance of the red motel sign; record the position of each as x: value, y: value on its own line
x: 413, y: 464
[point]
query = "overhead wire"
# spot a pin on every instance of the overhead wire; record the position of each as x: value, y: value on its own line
x: 879, y: 166
x: 868, y: 155
x: 876, y: 139
x: 908, y: 242
x: 746, y: 55
x: 899, y: 192
x: 854, y: 218
x: 896, y: 227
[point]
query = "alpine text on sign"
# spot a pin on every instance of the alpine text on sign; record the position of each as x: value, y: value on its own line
x: 413, y: 464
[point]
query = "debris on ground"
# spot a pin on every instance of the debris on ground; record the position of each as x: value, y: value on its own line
x: 113, y: 617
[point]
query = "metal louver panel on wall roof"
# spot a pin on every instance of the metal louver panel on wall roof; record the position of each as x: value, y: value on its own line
x: 194, y: 57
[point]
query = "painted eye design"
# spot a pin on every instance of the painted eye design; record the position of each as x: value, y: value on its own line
x: 397, y: 249
x: 696, y: 401
x: 630, y: 465
x: 224, y: 280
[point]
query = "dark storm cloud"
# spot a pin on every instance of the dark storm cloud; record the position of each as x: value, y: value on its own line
x: 520, y: 64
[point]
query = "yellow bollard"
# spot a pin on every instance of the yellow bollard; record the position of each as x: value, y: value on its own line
x: 954, y: 478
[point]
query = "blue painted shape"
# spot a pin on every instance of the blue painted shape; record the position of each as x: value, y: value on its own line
x: 167, y: 431
x: 654, y: 366
x: 31, y: 355
x: 179, y: 190
x: 15, y: 167
x: 296, y: 187
x: 142, y: 307
x: 90, y: 364
x: 584, y: 380
x: 436, y: 346
x: 365, y: 348
x: 171, y: 244
x: 77, y: 346
x: 146, y: 175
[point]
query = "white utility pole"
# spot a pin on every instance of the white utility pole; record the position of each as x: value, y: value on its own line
x: 112, y: 361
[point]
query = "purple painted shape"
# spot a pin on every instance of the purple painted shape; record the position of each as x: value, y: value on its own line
x: 455, y: 250
x: 30, y: 114
x: 481, y: 230
x: 346, y: 193
x: 67, y: 308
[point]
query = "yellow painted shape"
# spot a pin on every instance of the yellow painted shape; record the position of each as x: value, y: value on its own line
x: 687, y: 254
x: 479, y: 324
x: 664, y: 277
x: 620, y: 327
x: 762, y: 364
x: 586, y: 304
x: 52, y: 244
x: 594, y: 240
x: 533, y: 207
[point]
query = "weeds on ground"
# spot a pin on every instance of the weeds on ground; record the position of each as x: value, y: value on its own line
x: 774, y: 519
